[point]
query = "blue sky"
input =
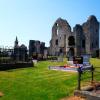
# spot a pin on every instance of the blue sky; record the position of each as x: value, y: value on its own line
x: 33, y: 19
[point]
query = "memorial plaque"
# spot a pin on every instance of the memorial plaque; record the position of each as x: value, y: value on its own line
x: 78, y: 60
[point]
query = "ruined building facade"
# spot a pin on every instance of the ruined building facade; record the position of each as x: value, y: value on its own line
x: 37, y: 49
x: 20, y: 52
x: 84, y: 39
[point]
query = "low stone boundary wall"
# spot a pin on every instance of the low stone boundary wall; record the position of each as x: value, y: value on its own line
x: 87, y: 94
x: 8, y: 66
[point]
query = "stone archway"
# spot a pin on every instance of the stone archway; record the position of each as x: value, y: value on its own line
x: 71, y: 46
x: 71, y: 52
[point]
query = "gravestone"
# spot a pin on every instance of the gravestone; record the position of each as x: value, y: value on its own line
x: 60, y: 58
x: 86, y: 59
x: 78, y: 60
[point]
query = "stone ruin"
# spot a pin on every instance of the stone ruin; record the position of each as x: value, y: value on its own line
x: 19, y: 52
x: 84, y: 39
x: 37, y: 49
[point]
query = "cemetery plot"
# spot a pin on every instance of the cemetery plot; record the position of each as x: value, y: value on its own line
x: 75, y: 64
x: 63, y: 68
x: 39, y: 83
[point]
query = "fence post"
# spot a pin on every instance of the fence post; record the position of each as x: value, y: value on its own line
x: 79, y: 78
x: 92, y: 73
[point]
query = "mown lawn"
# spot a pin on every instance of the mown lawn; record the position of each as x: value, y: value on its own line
x: 38, y: 82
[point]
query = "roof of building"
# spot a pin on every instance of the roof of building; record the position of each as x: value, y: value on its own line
x: 22, y: 46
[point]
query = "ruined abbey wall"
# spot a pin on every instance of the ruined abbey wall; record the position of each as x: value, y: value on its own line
x: 84, y: 39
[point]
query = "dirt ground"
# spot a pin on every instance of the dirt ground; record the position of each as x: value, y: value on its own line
x: 73, y: 98
x: 1, y: 94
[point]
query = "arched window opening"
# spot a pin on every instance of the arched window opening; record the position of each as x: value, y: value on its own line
x: 92, y: 45
x: 57, y: 28
x: 71, y: 41
x: 83, y: 43
x: 56, y: 42
x: 61, y: 50
x: 96, y: 43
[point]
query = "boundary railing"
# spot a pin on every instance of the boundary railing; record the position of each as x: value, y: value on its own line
x: 94, y: 72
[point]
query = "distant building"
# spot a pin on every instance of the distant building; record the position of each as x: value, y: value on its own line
x: 84, y: 39
x: 20, y: 52
x: 36, y: 49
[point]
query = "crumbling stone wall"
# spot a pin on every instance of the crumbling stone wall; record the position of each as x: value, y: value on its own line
x: 83, y: 40
x: 36, y: 48
x: 79, y: 37
x: 60, y: 31
x: 91, y: 32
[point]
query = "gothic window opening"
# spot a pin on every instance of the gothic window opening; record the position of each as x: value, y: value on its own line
x: 56, y: 42
x: 96, y: 31
x: 97, y: 53
x: 96, y: 43
x: 57, y: 28
x: 57, y: 31
x: 83, y: 43
x: 61, y: 51
x: 92, y: 45
x: 71, y: 41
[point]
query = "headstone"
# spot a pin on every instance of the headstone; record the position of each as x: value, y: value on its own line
x: 78, y: 60
x: 86, y: 59
x: 70, y: 58
x: 34, y: 61
x: 60, y: 59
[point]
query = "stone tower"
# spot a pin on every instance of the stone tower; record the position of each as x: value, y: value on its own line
x: 16, y: 42
x: 78, y: 31
x: 91, y: 32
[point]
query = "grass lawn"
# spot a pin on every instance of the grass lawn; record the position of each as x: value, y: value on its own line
x: 38, y: 83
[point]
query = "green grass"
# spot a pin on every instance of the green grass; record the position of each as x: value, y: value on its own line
x: 38, y: 83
